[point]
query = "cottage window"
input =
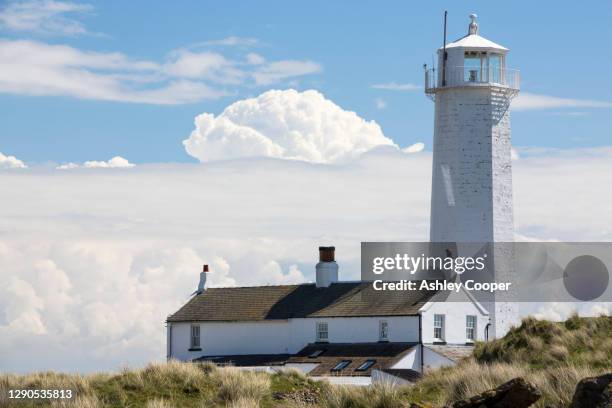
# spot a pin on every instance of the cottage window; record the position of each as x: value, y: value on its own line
x: 341, y: 365
x: 439, y: 327
x: 195, y: 337
x: 322, y: 331
x: 470, y: 328
x: 383, y: 330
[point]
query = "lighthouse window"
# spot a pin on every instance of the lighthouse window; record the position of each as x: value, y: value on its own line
x: 495, y: 68
x: 472, y: 67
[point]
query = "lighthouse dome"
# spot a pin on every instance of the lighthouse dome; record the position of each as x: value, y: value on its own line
x: 473, y: 41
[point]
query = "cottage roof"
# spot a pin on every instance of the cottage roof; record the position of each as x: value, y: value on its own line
x: 327, y: 356
x: 341, y: 299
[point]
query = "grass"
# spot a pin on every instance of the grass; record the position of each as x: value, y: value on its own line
x: 540, y: 343
x: 553, y: 356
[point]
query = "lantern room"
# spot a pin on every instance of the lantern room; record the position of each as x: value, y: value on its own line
x: 471, y: 61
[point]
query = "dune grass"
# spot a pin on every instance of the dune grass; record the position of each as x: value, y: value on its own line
x: 553, y: 356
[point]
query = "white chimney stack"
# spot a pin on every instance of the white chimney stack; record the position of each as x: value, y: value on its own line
x: 327, y: 268
x: 202, y: 283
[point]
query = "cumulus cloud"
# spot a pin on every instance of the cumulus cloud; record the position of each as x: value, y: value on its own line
x: 115, y: 162
x: 559, y: 311
x: 92, y: 267
x: 284, y: 124
x: 11, y: 162
x: 44, y: 17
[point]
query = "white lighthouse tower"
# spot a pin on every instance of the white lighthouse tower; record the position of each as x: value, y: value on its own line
x: 471, y: 199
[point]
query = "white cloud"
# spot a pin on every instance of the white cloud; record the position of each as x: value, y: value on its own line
x: 529, y: 101
x: 559, y: 311
x: 11, y: 162
x: 414, y: 148
x: 35, y: 68
x: 392, y: 86
x: 514, y: 154
x: 234, y: 41
x: 44, y: 17
x: 186, y: 76
x: 204, y: 65
x: 115, y: 162
x: 278, y: 71
x: 254, y: 59
x: 105, y: 260
x: 284, y: 124
x: 380, y: 103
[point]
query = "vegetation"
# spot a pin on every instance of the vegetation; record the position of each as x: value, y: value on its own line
x: 553, y: 356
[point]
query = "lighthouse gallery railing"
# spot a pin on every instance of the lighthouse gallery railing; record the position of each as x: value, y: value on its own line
x: 471, y: 76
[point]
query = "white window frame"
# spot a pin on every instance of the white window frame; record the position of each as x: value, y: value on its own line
x: 322, y: 332
x: 383, y: 330
x: 439, y: 327
x: 471, y: 322
x: 194, y: 337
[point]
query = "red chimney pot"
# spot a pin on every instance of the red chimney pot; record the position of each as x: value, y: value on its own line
x: 327, y: 254
x: 205, y: 268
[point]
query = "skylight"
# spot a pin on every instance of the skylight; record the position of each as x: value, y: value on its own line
x: 341, y: 365
x: 365, y: 365
x: 316, y: 353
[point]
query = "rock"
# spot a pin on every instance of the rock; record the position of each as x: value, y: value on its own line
x: 593, y: 392
x: 516, y: 393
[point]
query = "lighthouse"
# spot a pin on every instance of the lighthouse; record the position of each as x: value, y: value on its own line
x: 471, y: 197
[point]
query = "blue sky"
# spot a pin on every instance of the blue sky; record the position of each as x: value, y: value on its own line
x: 350, y: 46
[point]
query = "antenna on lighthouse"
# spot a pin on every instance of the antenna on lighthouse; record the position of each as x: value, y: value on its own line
x: 444, y: 55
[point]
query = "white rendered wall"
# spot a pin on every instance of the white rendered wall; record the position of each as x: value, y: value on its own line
x: 380, y: 377
x: 285, y: 336
x: 356, y: 329
x: 228, y: 338
x: 455, y: 313
x: 339, y: 380
x: 433, y: 360
x: 411, y: 361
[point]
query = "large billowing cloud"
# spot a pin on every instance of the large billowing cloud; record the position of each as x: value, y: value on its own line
x: 94, y: 261
x: 284, y: 124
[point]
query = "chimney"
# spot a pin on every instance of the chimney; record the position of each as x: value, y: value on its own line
x: 327, y: 268
x: 202, y: 284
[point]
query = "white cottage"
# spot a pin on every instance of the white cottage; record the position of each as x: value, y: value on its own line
x: 329, y: 328
x: 341, y: 330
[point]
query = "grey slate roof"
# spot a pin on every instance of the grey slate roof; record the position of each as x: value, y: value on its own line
x: 384, y: 356
x: 256, y: 303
